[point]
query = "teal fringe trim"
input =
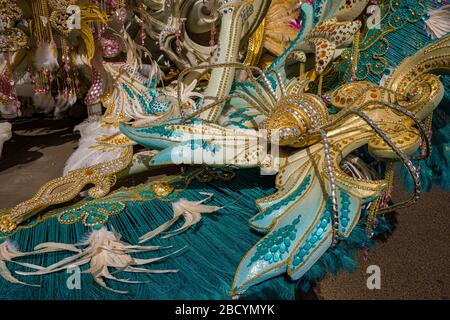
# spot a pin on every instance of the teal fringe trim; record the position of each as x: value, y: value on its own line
x: 206, y: 267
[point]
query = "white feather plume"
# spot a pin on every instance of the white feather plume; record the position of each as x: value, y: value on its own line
x: 102, y: 249
x: 46, y: 57
x: 438, y: 23
x: 187, y: 95
x: 190, y: 210
x: 8, y: 252
x: 89, y: 151
x: 44, y: 102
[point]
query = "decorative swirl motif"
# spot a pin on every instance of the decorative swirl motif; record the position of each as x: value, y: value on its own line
x: 373, y: 59
x: 405, y: 11
x: 374, y: 45
x: 95, y: 213
x: 294, y: 117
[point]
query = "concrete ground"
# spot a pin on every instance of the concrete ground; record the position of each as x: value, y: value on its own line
x: 414, y: 261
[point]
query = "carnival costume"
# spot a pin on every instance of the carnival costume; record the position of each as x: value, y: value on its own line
x: 340, y: 100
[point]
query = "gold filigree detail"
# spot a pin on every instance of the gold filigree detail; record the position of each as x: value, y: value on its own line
x: 58, y: 20
x: 118, y: 139
x: 12, y: 40
x: 294, y: 117
x: 60, y: 4
x: 103, y: 176
x: 6, y: 224
x: 352, y: 94
x: 328, y: 36
x: 162, y: 188
x: 10, y: 12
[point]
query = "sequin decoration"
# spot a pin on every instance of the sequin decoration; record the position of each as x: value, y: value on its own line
x: 95, y: 92
x: 274, y: 247
x: 111, y: 47
x: 314, y: 237
x: 405, y: 11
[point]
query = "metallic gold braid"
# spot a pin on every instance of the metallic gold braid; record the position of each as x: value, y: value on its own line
x: 356, y: 52
x: 166, y: 189
x: 103, y: 176
x: 415, y: 77
x: 373, y: 211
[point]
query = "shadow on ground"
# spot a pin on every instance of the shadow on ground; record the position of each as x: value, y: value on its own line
x: 31, y: 136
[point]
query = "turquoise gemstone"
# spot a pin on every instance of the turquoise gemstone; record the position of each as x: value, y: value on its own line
x: 268, y: 256
x: 276, y: 257
x: 297, y: 261
x: 274, y: 248
x: 287, y: 242
x: 319, y: 232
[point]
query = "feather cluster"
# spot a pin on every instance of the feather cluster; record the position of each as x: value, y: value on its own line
x: 8, y: 252
x: 280, y: 28
x: 46, y: 56
x: 102, y: 250
x: 438, y: 23
x: 89, y: 151
x: 190, y: 210
x: 44, y: 102
x: 187, y: 96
